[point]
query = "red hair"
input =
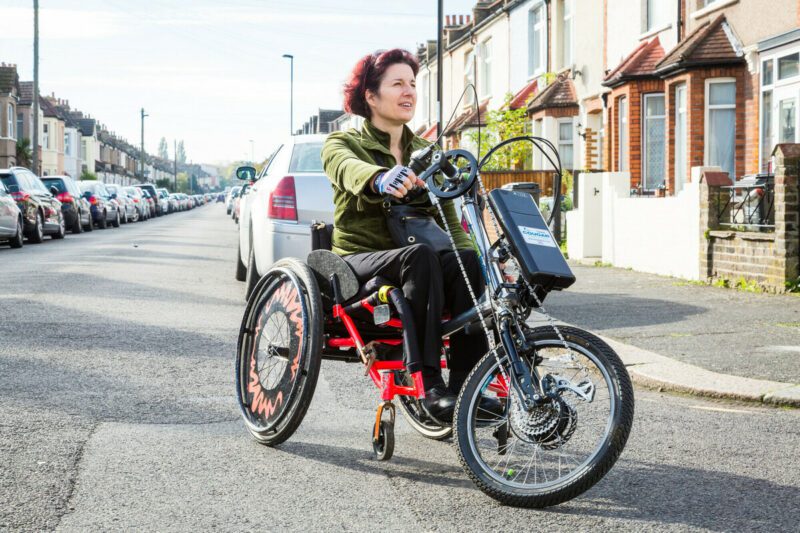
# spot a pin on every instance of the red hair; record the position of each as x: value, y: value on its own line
x: 367, y: 75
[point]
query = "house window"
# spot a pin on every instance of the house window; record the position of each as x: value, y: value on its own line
x: 787, y: 114
x: 485, y: 69
x: 67, y: 148
x: 654, y: 141
x: 20, y: 122
x: 721, y: 124
x: 766, y: 72
x: 45, y: 137
x: 565, y: 143
x: 681, y: 137
x: 766, y: 129
x: 658, y: 14
x: 469, y: 77
x: 788, y: 66
x: 622, y: 136
x: 10, y: 120
x: 566, y: 37
x: 537, y: 40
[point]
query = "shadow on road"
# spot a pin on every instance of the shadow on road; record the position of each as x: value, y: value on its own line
x: 611, y: 311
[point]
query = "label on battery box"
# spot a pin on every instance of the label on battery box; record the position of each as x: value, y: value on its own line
x: 536, y: 236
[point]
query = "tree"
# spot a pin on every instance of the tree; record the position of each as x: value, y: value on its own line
x: 503, y: 124
x: 181, y: 155
x: 24, y: 153
x: 88, y: 176
x: 163, y: 150
x: 183, y: 182
x: 164, y: 183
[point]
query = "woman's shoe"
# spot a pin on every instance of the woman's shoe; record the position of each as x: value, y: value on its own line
x: 439, y: 403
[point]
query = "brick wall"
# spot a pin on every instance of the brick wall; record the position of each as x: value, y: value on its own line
x: 768, y: 258
x: 590, y: 148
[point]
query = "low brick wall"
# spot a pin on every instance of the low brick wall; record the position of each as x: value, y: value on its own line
x: 746, y: 255
x: 769, y: 259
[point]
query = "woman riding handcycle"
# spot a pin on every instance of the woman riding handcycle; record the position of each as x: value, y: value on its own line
x: 540, y: 414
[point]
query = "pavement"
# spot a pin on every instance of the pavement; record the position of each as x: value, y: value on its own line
x: 687, y: 337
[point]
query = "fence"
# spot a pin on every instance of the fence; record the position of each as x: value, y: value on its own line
x: 747, y: 204
x: 544, y: 178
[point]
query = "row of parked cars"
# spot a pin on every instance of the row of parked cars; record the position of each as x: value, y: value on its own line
x: 32, y: 207
x: 276, y: 207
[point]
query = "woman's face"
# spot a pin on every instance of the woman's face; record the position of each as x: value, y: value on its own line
x: 396, y: 98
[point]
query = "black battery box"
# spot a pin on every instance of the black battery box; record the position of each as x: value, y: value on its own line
x: 539, y: 255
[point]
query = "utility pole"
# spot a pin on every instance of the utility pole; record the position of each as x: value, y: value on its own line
x: 439, y: 69
x: 35, y: 132
x: 175, y: 164
x: 141, y: 165
x: 290, y: 57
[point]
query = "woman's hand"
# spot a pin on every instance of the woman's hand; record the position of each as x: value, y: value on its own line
x: 397, y: 181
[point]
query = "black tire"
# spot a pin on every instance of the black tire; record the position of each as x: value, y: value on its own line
x: 251, y: 277
x: 90, y: 226
x: 116, y: 221
x: 77, y: 227
x: 62, y: 228
x: 241, y: 268
x: 37, y: 234
x: 384, y: 446
x: 568, y: 425
x: 103, y: 222
x: 19, y: 239
x: 287, y: 304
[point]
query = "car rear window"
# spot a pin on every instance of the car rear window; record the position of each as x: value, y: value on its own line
x: 58, y: 183
x: 10, y: 183
x: 306, y: 157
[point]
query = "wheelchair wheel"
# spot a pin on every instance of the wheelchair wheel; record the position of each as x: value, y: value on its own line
x: 553, y: 452
x: 279, y: 351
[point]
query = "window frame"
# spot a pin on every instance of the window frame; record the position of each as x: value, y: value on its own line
x: 484, y: 71
x: 571, y: 142
x: 469, y: 57
x: 706, y: 116
x: 11, y: 118
x: 684, y: 139
x: 623, y: 134
x: 532, y: 42
x: 645, y: 143
x: 568, y: 17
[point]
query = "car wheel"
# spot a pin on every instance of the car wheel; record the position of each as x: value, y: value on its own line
x: 90, y: 225
x: 124, y: 217
x: 77, y: 227
x: 252, y: 274
x: 62, y: 228
x: 116, y: 221
x: 19, y: 238
x: 37, y: 234
x: 241, y: 268
x: 103, y: 222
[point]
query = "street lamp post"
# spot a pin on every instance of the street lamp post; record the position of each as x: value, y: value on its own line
x: 290, y: 57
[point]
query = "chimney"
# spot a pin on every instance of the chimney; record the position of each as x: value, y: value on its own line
x: 446, y: 23
x: 461, y: 20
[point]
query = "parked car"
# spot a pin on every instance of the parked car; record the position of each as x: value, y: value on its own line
x: 151, y: 203
x: 128, y: 211
x: 163, y: 196
x: 232, y: 194
x: 174, y: 203
x: 239, y: 200
x: 41, y: 211
x: 139, y: 202
x: 74, y: 207
x: 103, y: 209
x: 12, y: 228
x: 151, y: 190
x: 289, y: 194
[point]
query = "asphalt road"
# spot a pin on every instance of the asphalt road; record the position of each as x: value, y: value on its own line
x: 117, y: 411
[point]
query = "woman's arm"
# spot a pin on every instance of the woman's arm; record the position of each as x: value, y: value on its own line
x: 346, y: 170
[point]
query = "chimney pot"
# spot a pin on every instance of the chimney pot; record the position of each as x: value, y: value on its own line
x: 447, y: 20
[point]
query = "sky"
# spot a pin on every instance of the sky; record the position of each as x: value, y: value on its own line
x: 209, y: 73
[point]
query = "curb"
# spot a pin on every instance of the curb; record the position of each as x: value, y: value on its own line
x: 655, y: 371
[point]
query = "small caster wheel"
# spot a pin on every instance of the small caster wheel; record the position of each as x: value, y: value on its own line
x: 501, y: 434
x: 384, y: 446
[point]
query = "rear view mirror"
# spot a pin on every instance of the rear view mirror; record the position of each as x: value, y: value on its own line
x: 54, y: 190
x: 246, y: 173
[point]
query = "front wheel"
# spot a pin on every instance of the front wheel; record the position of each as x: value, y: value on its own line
x: 279, y: 351
x: 550, y: 453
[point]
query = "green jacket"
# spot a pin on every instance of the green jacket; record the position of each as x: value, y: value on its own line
x: 349, y: 159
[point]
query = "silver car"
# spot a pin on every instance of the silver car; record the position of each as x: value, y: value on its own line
x: 275, y: 218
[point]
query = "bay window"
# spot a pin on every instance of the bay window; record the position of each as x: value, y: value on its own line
x: 622, y: 134
x: 565, y: 143
x: 721, y: 125
x: 681, y: 137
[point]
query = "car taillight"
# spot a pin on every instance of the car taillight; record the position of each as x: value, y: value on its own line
x: 20, y: 196
x: 93, y: 200
x: 283, y: 200
x: 136, y: 200
x: 64, y: 197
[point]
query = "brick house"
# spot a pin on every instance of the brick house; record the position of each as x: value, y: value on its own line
x: 9, y: 98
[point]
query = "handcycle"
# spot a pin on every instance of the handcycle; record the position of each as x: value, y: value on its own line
x: 567, y: 400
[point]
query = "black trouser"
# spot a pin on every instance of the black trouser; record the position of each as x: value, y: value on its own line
x: 431, y: 282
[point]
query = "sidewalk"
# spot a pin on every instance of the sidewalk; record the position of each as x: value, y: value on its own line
x: 687, y: 337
